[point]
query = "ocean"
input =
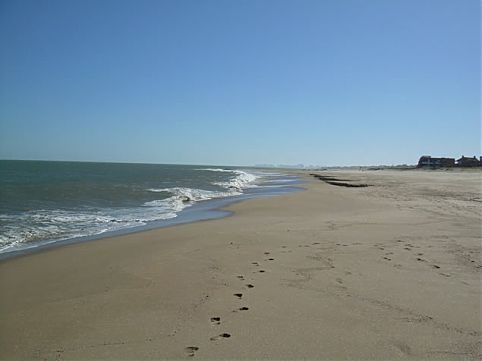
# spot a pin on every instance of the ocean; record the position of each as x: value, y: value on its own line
x: 43, y: 202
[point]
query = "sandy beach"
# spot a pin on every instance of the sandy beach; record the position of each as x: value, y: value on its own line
x: 385, y: 272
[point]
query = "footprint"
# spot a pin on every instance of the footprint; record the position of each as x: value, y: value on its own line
x: 223, y: 335
x: 339, y: 280
x: 216, y: 320
x: 270, y: 259
x: 249, y: 285
x: 316, y: 243
x: 407, y: 248
x: 261, y: 271
x: 419, y: 254
x: 244, y: 308
x: 435, y: 266
x: 191, y: 350
x: 240, y: 277
x: 239, y: 295
x: 444, y: 274
x: 388, y: 259
x: 255, y: 263
x: 266, y: 252
x: 420, y: 259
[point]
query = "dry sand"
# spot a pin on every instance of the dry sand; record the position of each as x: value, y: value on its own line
x: 385, y: 272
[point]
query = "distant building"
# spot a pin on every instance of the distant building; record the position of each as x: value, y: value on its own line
x: 428, y: 161
x: 468, y: 162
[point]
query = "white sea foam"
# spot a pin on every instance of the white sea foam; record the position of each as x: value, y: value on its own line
x: 42, y: 225
x: 217, y: 170
x: 49, y: 225
x: 191, y: 194
x: 184, y: 197
x: 241, y: 180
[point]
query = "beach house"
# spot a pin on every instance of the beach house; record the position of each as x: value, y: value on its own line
x: 428, y: 161
x: 468, y: 162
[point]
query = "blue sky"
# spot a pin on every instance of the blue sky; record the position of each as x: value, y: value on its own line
x: 329, y: 82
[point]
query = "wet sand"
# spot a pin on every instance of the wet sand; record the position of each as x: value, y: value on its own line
x: 388, y: 271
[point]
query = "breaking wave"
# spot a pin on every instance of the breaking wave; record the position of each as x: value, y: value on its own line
x: 241, y: 179
x: 35, y: 226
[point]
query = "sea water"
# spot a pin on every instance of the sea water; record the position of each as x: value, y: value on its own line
x: 46, y: 202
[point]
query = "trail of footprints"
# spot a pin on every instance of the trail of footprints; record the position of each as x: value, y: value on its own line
x: 387, y: 256
x: 408, y: 247
x: 216, y: 320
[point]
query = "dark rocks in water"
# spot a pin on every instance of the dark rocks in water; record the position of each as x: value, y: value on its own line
x: 185, y: 199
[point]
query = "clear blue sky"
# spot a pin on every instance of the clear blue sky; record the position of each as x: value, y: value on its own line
x: 330, y: 82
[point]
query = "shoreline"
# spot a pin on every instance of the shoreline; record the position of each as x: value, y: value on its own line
x: 199, y: 211
x: 390, y: 271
